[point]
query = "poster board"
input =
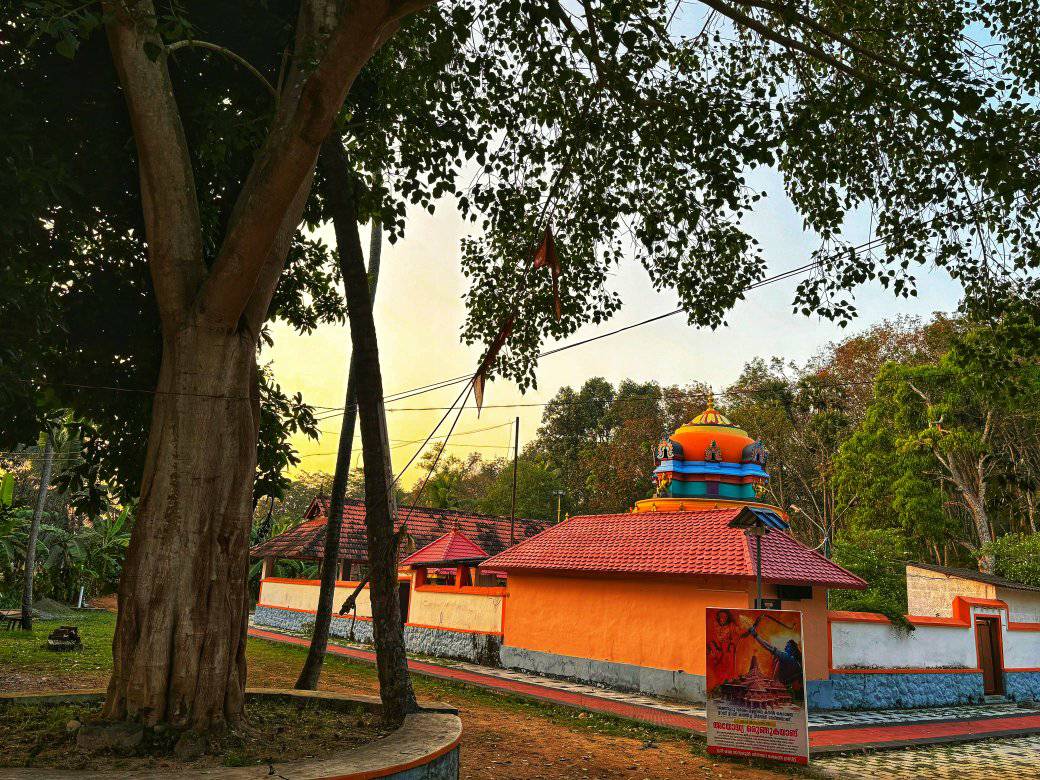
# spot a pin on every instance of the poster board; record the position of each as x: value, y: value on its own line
x: 755, y: 681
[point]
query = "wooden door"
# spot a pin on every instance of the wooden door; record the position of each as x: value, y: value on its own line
x: 987, y: 640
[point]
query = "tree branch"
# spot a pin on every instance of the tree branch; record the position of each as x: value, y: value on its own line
x: 173, y: 228
x: 812, y: 24
x: 288, y: 157
x: 259, y: 302
x: 786, y: 41
x: 225, y: 52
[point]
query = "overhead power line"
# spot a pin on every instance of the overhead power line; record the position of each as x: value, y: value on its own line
x: 333, y: 411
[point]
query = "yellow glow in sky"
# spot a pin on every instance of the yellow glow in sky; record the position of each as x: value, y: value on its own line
x: 419, y: 314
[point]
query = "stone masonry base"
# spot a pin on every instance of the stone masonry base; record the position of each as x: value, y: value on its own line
x: 626, y: 677
x: 442, y: 643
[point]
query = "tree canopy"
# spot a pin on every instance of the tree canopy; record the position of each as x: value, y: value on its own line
x: 632, y: 128
x: 598, y: 123
x: 82, y: 330
x: 944, y: 455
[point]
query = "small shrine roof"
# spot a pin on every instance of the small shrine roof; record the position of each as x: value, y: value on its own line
x: 453, y: 547
x: 698, y: 542
x: 307, y: 540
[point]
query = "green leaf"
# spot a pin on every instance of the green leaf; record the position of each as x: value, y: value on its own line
x: 67, y: 46
x: 7, y: 490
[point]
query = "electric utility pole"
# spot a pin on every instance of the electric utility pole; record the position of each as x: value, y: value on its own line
x: 516, y: 457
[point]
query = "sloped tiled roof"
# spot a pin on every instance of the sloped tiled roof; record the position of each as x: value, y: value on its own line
x: 450, y: 548
x: 307, y: 540
x: 675, y: 543
x: 977, y: 576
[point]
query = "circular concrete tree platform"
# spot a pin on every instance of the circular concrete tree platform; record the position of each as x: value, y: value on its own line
x: 425, y: 747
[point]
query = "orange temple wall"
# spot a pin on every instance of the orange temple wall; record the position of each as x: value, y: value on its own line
x: 651, y: 622
x: 656, y: 623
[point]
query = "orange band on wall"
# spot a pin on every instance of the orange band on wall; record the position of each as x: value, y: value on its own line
x: 471, y: 590
x: 291, y: 581
x: 961, y: 615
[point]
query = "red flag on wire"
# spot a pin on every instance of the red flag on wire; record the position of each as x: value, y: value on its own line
x: 480, y: 378
x: 478, y: 391
x: 545, y: 255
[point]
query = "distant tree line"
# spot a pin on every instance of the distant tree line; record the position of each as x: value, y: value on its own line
x: 78, y: 543
x: 911, y: 441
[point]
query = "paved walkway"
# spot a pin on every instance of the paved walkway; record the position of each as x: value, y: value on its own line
x: 830, y: 732
x: 1008, y: 759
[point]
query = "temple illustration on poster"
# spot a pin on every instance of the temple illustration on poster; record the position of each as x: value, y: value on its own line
x: 756, y: 690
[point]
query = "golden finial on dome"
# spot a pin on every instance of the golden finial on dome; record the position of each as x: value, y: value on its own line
x: 711, y: 415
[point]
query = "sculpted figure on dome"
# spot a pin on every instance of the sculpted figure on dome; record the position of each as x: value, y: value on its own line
x: 663, y: 483
x: 713, y: 454
x: 667, y: 449
x: 755, y: 452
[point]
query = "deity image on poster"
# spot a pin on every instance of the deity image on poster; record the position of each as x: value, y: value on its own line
x: 755, y: 682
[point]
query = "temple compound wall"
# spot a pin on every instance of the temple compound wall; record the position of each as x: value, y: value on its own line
x: 940, y: 662
x: 463, y: 623
x: 647, y: 635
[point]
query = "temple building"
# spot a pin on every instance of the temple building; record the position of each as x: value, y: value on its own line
x: 708, y: 463
x: 620, y: 599
x: 449, y: 607
x: 755, y: 689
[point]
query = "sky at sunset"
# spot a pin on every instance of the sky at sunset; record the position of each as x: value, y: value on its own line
x: 419, y: 314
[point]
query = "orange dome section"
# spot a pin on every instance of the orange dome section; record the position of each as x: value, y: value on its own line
x: 695, y: 440
x: 709, y: 426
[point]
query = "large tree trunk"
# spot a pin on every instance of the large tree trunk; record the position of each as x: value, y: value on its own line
x: 179, y: 648
x: 308, y: 679
x: 34, y: 533
x: 395, y: 686
x: 179, y: 645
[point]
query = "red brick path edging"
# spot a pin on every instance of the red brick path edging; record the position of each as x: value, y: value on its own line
x: 830, y: 740
x: 892, y: 737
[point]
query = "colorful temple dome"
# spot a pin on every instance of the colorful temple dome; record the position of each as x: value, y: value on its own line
x: 707, y: 463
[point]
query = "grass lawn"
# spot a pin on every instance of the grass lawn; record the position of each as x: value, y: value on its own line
x: 506, y: 737
x: 26, y: 665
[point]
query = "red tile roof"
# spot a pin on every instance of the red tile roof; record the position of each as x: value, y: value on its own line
x: 678, y: 543
x: 451, y: 548
x: 307, y: 540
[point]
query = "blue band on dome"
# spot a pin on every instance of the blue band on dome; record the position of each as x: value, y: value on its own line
x: 703, y: 467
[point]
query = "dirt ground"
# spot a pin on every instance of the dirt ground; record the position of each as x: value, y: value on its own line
x: 38, y: 736
x: 505, y: 737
